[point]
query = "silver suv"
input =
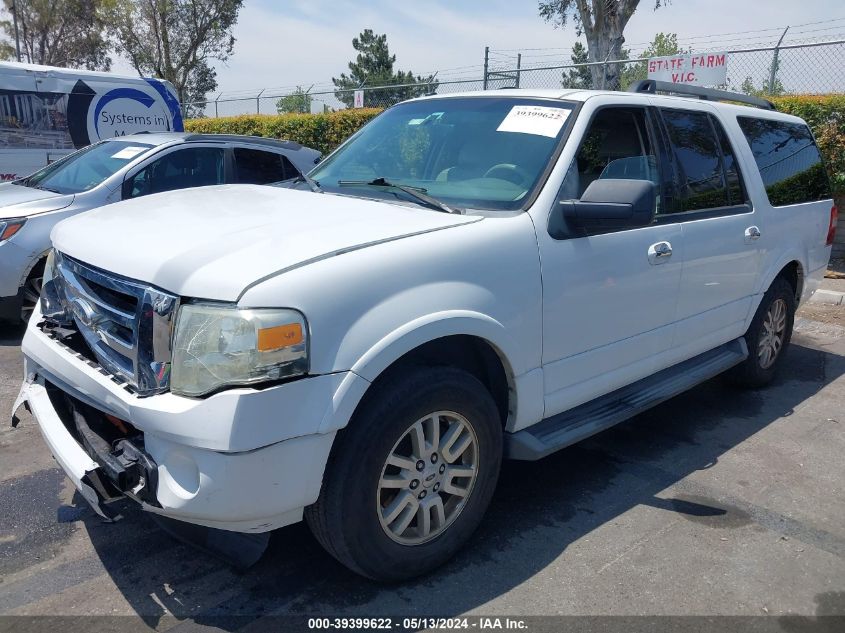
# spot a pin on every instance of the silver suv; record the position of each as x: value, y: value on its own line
x: 119, y: 169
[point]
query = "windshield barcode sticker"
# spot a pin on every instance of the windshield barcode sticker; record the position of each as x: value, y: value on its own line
x: 539, y: 120
x: 128, y: 152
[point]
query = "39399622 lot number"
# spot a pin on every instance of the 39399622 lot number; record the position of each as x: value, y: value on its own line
x: 407, y: 624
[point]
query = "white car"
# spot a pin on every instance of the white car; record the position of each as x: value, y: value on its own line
x: 484, y: 276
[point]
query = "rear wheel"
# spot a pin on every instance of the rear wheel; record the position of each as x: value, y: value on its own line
x: 768, y: 336
x: 411, y: 476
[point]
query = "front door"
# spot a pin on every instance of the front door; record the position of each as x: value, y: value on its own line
x: 609, y: 299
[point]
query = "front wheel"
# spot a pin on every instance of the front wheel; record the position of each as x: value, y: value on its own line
x: 31, y: 291
x: 411, y: 476
x: 768, y: 336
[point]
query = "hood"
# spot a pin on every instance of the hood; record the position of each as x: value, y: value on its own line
x: 17, y: 201
x: 213, y: 242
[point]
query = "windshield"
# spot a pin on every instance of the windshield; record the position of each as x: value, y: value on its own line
x: 87, y: 168
x: 477, y: 152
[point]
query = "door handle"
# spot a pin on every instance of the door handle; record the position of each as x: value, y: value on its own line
x: 659, y: 253
x: 752, y: 233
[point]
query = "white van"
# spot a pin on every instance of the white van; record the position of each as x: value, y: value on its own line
x: 48, y: 112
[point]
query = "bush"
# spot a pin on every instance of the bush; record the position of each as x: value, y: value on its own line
x: 824, y: 113
x: 320, y: 131
x: 826, y: 116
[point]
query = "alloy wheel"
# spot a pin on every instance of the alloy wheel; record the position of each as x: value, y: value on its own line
x: 771, y: 340
x: 427, y: 478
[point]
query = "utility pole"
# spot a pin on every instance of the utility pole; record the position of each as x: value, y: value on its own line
x: 486, y: 62
x: 774, y: 69
x: 17, y: 40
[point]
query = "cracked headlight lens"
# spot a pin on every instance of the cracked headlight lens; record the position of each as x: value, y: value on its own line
x: 222, y: 345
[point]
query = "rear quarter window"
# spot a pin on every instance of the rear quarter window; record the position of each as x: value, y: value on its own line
x: 789, y: 161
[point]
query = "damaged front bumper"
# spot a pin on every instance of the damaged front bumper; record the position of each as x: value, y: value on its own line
x: 243, y: 460
x: 124, y: 470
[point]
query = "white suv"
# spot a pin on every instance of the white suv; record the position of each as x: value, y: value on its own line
x: 469, y: 278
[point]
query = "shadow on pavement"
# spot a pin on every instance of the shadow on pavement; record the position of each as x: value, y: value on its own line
x: 11, y: 334
x: 540, y: 508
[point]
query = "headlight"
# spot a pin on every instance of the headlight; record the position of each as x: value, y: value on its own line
x: 222, y: 345
x: 9, y: 227
x: 52, y: 305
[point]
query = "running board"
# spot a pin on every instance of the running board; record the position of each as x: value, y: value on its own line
x: 574, y: 425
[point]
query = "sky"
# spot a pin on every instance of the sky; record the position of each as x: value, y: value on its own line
x: 286, y: 43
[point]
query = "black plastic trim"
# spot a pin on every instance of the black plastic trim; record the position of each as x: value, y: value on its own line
x: 651, y: 86
x: 703, y: 214
x: 574, y: 425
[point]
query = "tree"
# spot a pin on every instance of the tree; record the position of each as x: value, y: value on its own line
x: 298, y: 101
x: 68, y: 33
x: 663, y: 45
x: 374, y: 67
x: 768, y: 88
x: 176, y: 40
x: 580, y: 78
x: 602, y: 23
x: 749, y: 88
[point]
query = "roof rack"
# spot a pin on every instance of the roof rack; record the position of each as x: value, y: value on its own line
x: 651, y: 86
x: 244, y: 138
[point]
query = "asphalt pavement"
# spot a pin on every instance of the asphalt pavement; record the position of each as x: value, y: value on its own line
x: 719, y: 502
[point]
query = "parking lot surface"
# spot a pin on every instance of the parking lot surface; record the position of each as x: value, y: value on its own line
x: 718, y: 502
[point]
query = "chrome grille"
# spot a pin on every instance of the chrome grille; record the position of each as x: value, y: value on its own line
x: 126, y: 324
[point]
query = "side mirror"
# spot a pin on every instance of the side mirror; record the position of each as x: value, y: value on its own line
x: 607, y: 204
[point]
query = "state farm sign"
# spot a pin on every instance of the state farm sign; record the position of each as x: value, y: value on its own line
x: 703, y: 69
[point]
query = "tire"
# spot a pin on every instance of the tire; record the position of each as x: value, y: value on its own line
x: 31, y: 291
x: 759, y: 368
x: 353, y: 518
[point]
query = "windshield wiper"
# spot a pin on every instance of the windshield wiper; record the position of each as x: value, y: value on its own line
x: 26, y: 182
x: 312, y: 184
x: 418, y: 193
x: 43, y: 188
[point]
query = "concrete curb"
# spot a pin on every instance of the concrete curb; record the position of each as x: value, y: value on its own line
x: 808, y: 326
x: 830, y: 297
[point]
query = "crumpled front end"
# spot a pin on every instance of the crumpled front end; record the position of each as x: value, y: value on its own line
x: 246, y: 460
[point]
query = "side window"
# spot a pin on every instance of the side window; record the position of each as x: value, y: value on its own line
x: 616, y: 145
x: 736, y: 193
x: 258, y: 167
x: 788, y: 159
x: 698, y: 162
x: 181, y: 169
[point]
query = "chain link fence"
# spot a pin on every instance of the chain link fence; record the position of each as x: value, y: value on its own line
x: 793, y: 68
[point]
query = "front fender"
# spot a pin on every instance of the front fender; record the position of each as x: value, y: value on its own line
x: 406, y: 338
x: 428, y: 328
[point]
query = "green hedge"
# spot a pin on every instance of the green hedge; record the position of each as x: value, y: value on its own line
x: 320, y: 131
x: 825, y: 114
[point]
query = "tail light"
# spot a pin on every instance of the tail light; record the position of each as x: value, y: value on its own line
x: 831, y: 229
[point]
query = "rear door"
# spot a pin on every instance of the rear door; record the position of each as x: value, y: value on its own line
x: 261, y: 167
x: 721, y: 231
